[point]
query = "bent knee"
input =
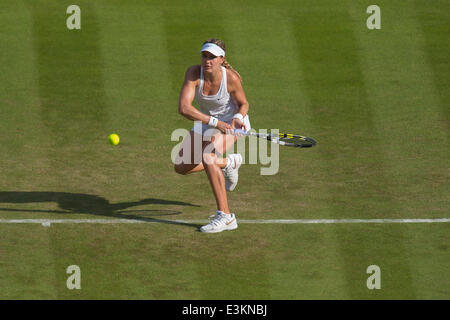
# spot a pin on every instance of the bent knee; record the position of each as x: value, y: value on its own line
x: 208, y: 159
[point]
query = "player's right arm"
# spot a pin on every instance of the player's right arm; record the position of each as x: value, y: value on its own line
x: 187, y: 94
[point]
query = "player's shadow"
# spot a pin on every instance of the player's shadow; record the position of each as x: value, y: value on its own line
x: 95, y: 205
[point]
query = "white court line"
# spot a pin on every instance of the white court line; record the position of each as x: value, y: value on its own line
x: 256, y: 221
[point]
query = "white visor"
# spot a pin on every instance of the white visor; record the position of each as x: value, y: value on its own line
x: 214, y: 49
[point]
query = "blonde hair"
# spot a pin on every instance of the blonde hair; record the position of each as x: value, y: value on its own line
x: 225, y: 63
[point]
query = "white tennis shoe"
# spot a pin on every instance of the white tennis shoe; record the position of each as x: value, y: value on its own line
x: 230, y: 172
x: 219, y: 222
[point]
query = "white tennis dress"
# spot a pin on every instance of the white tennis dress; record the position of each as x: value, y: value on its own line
x: 220, y: 105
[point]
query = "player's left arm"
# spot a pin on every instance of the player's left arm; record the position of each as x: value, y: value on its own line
x: 237, y: 92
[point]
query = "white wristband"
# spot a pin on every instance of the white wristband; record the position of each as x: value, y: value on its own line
x: 213, y: 122
x: 238, y: 116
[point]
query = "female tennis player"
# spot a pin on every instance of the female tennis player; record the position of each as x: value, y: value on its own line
x: 216, y: 89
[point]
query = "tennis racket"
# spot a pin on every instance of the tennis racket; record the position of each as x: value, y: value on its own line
x: 284, y: 139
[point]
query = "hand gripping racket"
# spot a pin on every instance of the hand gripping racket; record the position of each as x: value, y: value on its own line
x: 284, y: 139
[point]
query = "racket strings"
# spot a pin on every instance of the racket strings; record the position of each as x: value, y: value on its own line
x: 286, y: 139
x: 296, y: 140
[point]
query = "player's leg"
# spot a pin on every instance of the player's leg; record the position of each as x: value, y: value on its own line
x: 214, y: 163
x: 216, y: 145
x: 234, y: 161
x: 223, y: 220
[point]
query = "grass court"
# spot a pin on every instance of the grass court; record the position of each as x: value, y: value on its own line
x: 377, y: 102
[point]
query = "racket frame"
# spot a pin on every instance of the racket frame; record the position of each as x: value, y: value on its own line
x: 275, y: 138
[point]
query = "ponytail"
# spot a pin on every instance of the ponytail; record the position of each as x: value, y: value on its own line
x: 228, y: 66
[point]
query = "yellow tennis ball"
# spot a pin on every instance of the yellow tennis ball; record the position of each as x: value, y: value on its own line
x: 114, y: 139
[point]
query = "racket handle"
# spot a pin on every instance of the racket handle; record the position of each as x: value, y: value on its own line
x: 240, y: 131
